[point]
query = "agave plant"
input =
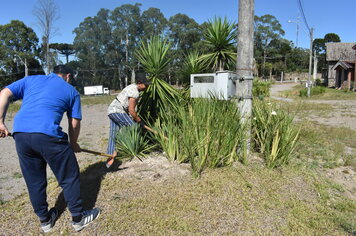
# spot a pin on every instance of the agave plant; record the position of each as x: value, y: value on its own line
x: 130, y: 142
x: 154, y: 59
x: 219, y: 39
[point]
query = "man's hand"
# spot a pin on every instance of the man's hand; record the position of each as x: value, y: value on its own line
x: 4, y: 132
x: 76, y: 147
x: 142, y: 124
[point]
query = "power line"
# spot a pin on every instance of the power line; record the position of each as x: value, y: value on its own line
x: 302, y: 13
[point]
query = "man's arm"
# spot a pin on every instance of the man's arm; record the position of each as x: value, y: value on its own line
x: 74, y: 130
x: 5, y: 96
x: 132, y: 111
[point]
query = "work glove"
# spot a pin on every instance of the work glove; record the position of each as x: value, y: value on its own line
x: 142, y: 124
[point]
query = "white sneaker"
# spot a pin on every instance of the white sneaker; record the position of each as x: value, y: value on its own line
x: 47, y: 226
x: 88, y: 217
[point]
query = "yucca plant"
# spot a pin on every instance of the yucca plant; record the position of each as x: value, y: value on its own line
x: 206, y: 132
x: 274, y: 134
x: 153, y: 57
x: 132, y: 142
x: 191, y: 65
x: 219, y: 40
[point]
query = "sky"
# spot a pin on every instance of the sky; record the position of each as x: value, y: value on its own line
x: 325, y: 16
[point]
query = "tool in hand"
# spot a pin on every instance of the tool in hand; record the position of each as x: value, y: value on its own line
x: 96, y: 153
x: 87, y: 151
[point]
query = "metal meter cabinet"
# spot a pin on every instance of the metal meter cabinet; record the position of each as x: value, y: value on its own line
x: 220, y: 85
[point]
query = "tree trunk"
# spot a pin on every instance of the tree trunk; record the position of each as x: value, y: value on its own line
x: 127, y: 57
x: 47, y: 57
x: 26, y: 68
x: 133, y: 76
x: 264, y: 62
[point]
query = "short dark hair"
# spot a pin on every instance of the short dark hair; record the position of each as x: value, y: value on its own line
x: 62, y: 69
x: 141, y: 78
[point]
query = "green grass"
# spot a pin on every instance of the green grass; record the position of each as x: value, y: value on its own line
x: 92, y: 100
x: 302, y: 109
x: 329, y: 94
x: 289, y: 201
x: 322, y: 145
x: 17, y: 175
x: 325, y: 145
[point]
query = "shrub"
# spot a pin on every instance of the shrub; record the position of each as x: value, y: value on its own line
x: 132, y: 142
x: 206, y: 132
x: 260, y: 88
x: 273, y: 134
x: 313, y: 91
x: 318, y: 82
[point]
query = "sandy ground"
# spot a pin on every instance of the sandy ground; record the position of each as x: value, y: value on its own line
x: 343, y: 114
x: 94, y: 135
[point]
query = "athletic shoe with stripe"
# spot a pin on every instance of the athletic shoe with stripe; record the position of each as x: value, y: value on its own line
x: 88, y: 217
x: 47, y: 226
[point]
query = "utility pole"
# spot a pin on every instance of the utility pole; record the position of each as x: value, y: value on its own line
x: 310, y: 60
x: 297, y: 22
x: 315, y: 68
x: 244, y: 62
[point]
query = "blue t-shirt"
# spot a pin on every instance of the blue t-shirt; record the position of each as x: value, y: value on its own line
x: 45, y: 99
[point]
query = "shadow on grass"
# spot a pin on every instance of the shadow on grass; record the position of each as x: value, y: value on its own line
x: 90, y: 182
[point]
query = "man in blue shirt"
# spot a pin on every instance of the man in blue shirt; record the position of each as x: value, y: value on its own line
x: 41, y: 141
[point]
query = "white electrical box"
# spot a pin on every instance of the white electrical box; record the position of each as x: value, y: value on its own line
x: 219, y: 84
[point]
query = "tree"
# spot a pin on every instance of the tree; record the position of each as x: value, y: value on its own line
x: 127, y: 30
x: 153, y: 22
x: 184, y: 34
x: 64, y: 49
x: 267, y: 28
x: 46, y: 12
x: 219, y: 40
x: 278, y: 51
x: 298, y: 60
x: 319, y: 46
x: 18, y: 50
x: 331, y: 37
x: 93, y: 43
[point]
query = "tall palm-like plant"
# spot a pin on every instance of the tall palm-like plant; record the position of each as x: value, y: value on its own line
x: 153, y: 56
x: 219, y: 39
x: 191, y: 65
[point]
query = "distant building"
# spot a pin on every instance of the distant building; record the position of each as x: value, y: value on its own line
x: 341, y: 60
